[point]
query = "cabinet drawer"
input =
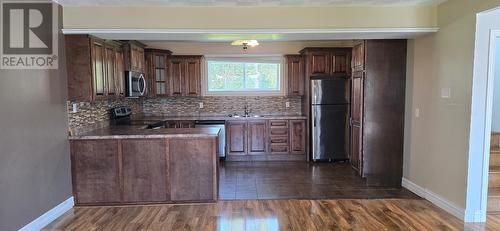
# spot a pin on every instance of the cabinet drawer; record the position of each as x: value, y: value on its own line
x: 279, y: 131
x: 278, y: 123
x: 279, y: 149
x: 279, y: 139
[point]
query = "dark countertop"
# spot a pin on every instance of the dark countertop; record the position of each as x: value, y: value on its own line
x: 139, y: 132
x: 165, y: 118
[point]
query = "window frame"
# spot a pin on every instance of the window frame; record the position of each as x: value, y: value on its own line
x: 279, y: 59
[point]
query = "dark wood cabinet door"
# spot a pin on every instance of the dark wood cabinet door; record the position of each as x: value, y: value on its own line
x: 137, y: 58
x: 98, y: 67
x: 236, y: 137
x: 110, y: 68
x: 257, y: 137
x: 145, y: 170
x: 297, y: 136
x: 357, y: 94
x: 356, y: 148
x: 95, y: 171
x: 119, y: 72
x: 176, y: 73
x: 190, y: 159
x: 358, y: 56
x: 341, y: 62
x: 295, y: 74
x: 192, y: 78
x: 319, y: 63
x: 185, y: 124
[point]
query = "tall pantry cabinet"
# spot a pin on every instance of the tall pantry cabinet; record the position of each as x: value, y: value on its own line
x: 377, y: 110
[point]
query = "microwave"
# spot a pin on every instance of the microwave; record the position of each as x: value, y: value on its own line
x: 135, y: 84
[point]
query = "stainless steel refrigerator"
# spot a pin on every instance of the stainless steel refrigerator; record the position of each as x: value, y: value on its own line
x: 330, y: 99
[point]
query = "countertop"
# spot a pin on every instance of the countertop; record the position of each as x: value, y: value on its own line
x: 266, y: 117
x: 139, y: 132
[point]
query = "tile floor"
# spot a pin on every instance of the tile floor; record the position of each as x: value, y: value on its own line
x: 298, y: 180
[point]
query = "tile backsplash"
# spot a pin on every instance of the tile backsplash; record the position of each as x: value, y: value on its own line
x: 222, y: 105
x: 93, y: 115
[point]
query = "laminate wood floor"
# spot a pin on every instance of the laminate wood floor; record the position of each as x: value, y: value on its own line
x: 271, y: 215
x: 298, y: 180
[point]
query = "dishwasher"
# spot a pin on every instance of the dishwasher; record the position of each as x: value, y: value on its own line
x: 220, y: 124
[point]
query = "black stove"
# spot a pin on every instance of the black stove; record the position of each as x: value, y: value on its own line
x: 121, y: 116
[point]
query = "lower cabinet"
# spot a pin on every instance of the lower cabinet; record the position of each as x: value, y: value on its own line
x: 95, y: 171
x: 191, y: 173
x: 263, y: 137
x: 135, y: 171
x: 145, y: 170
x: 297, y: 136
x: 179, y: 124
x: 257, y: 137
x: 236, y: 137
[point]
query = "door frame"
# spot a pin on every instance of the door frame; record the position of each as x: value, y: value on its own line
x: 487, y: 30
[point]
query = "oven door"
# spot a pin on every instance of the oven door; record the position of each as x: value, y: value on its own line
x: 136, y: 84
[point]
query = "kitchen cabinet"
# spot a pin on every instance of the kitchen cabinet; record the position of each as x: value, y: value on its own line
x: 134, y: 56
x: 193, y: 176
x: 95, y: 68
x: 157, y: 72
x: 327, y: 61
x: 378, y: 103
x: 98, y: 57
x: 257, y: 137
x: 236, y: 137
x: 142, y: 171
x: 297, y: 136
x: 185, y: 75
x: 145, y: 170
x: 95, y: 171
x: 279, y: 137
x: 180, y: 124
x: 295, y: 75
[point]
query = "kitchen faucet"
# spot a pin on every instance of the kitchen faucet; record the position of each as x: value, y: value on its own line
x: 247, y: 111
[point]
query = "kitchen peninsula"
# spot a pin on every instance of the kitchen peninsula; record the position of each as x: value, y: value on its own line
x: 134, y: 165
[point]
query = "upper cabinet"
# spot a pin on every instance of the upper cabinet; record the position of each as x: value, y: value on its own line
x: 134, y: 56
x: 184, y: 75
x: 156, y: 71
x: 295, y: 74
x: 327, y: 61
x: 95, y: 68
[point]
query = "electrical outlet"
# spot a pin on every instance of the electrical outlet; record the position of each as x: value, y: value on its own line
x: 201, y: 105
x: 287, y: 104
x: 75, y: 108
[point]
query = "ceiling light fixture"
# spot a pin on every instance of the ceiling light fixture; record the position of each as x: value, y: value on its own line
x: 245, y: 43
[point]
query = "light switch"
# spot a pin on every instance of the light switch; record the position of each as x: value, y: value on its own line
x: 417, y: 112
x: 445, y: 92
x: 75, y: 108
x: 201, y: 105
x: 287, y: 104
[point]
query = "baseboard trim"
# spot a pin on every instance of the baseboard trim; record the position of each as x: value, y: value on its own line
x: 434, y: 198
x: 49, y: 216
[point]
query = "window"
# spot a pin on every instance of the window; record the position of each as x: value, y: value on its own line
x: 243, y: 75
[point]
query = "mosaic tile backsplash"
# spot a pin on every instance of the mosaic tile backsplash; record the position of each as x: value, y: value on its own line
x: 222, y: 105
x: 93, y: 115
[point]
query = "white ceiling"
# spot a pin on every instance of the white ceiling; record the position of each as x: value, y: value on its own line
x: 248, y: 2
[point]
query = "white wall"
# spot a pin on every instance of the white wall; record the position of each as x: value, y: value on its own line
x: 495, y: 122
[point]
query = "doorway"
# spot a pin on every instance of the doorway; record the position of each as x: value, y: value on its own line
x: 487, y: 34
